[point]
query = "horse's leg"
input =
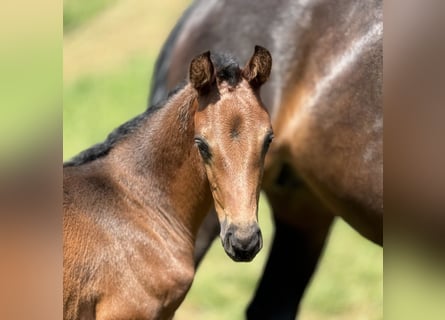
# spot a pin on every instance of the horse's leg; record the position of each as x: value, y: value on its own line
x: 301, y: 228
x: 208, y: 231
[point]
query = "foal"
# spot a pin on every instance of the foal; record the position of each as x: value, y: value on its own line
x: 133, y: 204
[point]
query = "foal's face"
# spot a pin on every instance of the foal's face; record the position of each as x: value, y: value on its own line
x: 232, y: 135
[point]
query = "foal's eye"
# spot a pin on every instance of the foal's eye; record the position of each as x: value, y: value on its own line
x: 267, y: 142
x: 203, y: 148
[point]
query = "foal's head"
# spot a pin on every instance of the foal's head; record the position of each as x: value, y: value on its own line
x: 232, y: 134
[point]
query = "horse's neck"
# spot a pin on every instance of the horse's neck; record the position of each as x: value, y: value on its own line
x: 160, y: 166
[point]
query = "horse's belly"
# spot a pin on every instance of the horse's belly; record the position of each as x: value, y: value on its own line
x: 339, y: 159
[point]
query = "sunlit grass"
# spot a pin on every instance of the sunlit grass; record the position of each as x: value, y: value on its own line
x: 414, y: 280
x: 77, y: 12
x: 96, y: 104
x: 349, y: 280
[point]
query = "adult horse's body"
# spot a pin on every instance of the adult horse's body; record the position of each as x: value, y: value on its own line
x: 133, y: 204
x: 325, y: 100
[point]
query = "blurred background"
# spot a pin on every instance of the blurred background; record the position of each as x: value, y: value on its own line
x: 109, y: 51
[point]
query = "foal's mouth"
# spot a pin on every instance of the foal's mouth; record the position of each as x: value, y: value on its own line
x: 242, y: 250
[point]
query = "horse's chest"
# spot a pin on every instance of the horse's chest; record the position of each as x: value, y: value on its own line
x: 133, y: 280
x: 152, y: 294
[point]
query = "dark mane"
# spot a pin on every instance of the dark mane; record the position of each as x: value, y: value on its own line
x: 227, y: 68
x: 103, y: 148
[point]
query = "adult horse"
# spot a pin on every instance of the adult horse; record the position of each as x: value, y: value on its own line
x: 325, y: 100
x: 134, y: 203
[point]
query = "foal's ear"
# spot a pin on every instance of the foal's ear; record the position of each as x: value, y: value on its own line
x: 201, y: 72
x: 257, y: 70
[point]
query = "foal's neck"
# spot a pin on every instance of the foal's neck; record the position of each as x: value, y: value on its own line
x: 161, y: 168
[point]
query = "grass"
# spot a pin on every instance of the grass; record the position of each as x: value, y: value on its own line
x: 349, y: 281
x: 77, y: 12
x: 96, y: 104
x: 103, y: 91
x: 414, y: 281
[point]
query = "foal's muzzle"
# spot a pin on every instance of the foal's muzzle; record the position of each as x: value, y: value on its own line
x: 242, y: 244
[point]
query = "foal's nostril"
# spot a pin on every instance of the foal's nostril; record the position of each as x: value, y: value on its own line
x: 228, y: 239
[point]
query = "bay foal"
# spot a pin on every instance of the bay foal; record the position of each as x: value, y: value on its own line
x: 133, y: 204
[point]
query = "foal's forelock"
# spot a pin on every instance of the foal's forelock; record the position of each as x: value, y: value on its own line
x: 227, y: 70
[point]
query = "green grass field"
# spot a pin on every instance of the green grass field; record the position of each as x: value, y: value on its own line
x: 109, y: 52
